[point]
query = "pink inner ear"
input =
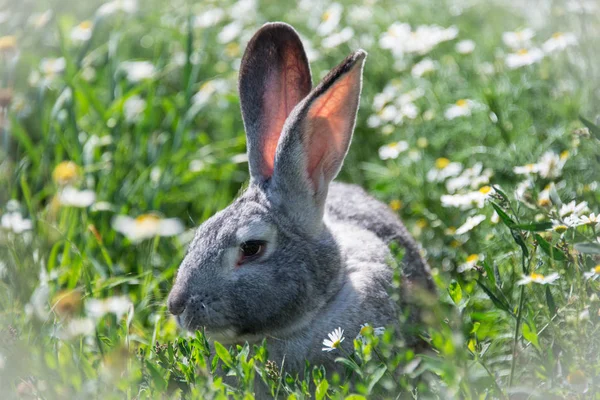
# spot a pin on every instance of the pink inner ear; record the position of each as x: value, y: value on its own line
x: 330, y: 123
x: 285, y: 88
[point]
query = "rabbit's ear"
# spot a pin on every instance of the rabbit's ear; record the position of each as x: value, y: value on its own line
x: 318, y: 133
x: 274, y: 77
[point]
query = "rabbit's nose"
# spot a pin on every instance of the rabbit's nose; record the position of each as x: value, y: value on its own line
x: 177, y: 302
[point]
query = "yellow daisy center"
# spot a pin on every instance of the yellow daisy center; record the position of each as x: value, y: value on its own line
x: 473, y: 258
x: 442, y: 163
x: 560, y: 228
x: 557, y: 35
x: 564, y: 155
x: 65, y: 172
x: 597, y: 269
x: 523, y: 52
x: 7, y: 43
x: 462, y: 103
x: 147, y: 219
x: 395, y: 204
x: 336, y: 344
x: 485, y: 189
x: 535, y: 276
x: 86, y: 25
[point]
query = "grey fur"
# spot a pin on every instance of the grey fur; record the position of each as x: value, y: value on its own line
x: 327, y: 262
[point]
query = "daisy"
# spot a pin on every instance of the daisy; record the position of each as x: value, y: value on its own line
x: 209, y: 18
x: 146, y: 226
x: 117, y: 305
x: 523, y: 57
x: 538, y: 278
x: 8, y: 45
x: 462, y: 108
x: 230, y: 32
x: 70, y: 196
x: 465, y: 46
x: 559, y: 41
x: 14, y: 221
x: 133, y: 108
x: 423, y: 67
x: 336, y: 39
x: 471, y: 223
x: 468, y: 200
x: 366, y: 329
x: 76, y: 327
x: 392, y: 150
x: 573, y: 208
x: 65, y: 173
x: 473, y: 177
x: 470, y: 263
x: 114, y: 6
x: 594, y: 273
x: 330, y: 19
x: 51, y: 68
x: 335, y: 339
x: 443, y: 170
x: 137, y: 71
x: 518, y: 39
x: 82, y: 32
x: 591, y: 219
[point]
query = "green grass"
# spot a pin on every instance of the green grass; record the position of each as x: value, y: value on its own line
x: 179, y: 157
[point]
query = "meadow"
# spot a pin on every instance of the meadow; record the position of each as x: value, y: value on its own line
x: 120, y: 131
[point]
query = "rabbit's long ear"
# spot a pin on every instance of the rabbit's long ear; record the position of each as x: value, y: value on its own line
x: 274, y: 77
x: 318, y: 133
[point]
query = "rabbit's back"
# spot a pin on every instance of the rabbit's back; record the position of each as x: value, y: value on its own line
x: 351, y: 204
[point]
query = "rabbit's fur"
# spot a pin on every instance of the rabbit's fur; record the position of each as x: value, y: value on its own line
x: 325, y: 260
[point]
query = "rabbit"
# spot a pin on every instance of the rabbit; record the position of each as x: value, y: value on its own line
x: 296, y: 255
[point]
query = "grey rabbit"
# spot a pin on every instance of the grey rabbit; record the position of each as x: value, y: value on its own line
x: 296, y: 255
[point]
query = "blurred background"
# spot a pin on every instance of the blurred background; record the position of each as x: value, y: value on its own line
x: 120, y: 131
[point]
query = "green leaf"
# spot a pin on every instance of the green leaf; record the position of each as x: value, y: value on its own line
x: 321, y: 390
x: 157, y: 376
x: 552, y: 251
x: 497, y: 302
x: 588, y: 248
x: 355, y: 397
x: 376, y: 376
x: 350, y: 365
x: 504, y: 217
x: 223, y: 354
x: 550, y: 301
x: 594, y: 129
x: 535, y: 227
x: 455, y: 292
x: 489, y: 273
x: 531, y: 335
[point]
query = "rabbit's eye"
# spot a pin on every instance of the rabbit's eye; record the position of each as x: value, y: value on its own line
x: 251, y: 250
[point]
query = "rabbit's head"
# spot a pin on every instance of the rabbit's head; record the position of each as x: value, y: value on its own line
x: 267, y: 262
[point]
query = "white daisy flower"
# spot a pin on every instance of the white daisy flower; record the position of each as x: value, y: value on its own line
x: 51, y: 67
x: 133, y: 108
x: 550, y: 165
x: 591, y: 219
x: 364, y: 330
x: 137, y: 71
x: 400, y: 39
x: 76, y: 327
x: 538, y: 278
x: 423, y: 67
x: 594, y: 273
x: 82, y: 32
x: 14, y: 221
x: 330, y: 19
x: 392, y: 150
x: 462, y: 108
x: 465, y: 46
x: 146, y: 226
x: 468, y: 200
x: 573, y: 208
x: 338, y: 38
x: 208, y: 18
x: 523, y: 57
x: 559, y: 41
x: 230, y: 32
x: 473, y: 177
x: 117, y: 305
x: 72, y: 197
x: 335, y: 340
x: 114, y: 6
x: 471, y: 223
x: 470, y: 263
x: 518, y: 39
